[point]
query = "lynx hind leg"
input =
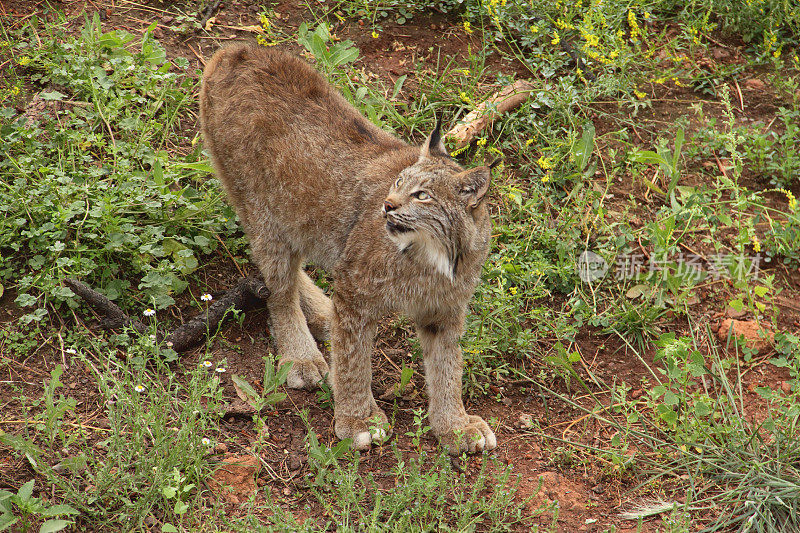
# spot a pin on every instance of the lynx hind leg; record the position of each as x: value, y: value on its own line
x: 316, y: 306
x: 293, y: 340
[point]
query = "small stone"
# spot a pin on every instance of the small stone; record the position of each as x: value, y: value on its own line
x: 730, y: 312
x: 720, y: 53
x: 220, y: 447
x: 525, y: 421
x: 786, y: 387
x: 287, y: 491
x: 755, y: 84
x: 758, y: 337
x: 294, y: 463
x: 167, y: 19
x: 599, y: 488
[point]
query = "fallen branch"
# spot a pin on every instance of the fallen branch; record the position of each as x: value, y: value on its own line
x: 113, y: 316
x: 247, y: 294
x: 208, y: 12
x: 487, y: 112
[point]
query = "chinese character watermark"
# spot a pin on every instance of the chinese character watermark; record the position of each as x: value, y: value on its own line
x: 692, y: 268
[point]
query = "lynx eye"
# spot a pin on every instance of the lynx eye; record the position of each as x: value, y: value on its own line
x: 421, y: 195
x: 398, y: 182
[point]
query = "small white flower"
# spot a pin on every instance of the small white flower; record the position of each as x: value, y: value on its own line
x: 206, y: 441
x: 221, y: 369
x: 149, y: 312
x: 152, y: 337
x: 139, y: 388
x: 71, y: 351
x: 206, y: 297
x: 169, y: 344
x: 207, y: 363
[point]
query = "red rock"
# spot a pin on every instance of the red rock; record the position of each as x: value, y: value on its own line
x: 757, y: 336
x: 235, y: 479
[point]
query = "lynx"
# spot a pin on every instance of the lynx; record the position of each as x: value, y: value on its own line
x: 399, y: 228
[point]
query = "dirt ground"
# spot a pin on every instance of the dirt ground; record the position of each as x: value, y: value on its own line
x: 590, y: 497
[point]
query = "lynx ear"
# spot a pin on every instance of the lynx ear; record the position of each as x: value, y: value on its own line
x: 433, y: 145
x: 473, y: 184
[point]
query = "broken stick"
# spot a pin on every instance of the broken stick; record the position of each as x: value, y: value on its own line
x: 247, y: 294
x: 487, y: 112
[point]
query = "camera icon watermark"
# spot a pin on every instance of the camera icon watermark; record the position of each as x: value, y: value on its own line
x: 591, y: 266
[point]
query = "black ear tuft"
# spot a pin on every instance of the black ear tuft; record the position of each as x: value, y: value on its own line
x: 433, y: 145
x: 436, y: 136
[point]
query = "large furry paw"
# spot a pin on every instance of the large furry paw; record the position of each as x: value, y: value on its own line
x: 306, y: 373
x: 475, y: 436
x: 364, y: 432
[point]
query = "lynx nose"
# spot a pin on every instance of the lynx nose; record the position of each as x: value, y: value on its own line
x: 388, y: 206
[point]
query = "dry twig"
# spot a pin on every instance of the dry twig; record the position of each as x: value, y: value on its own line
x: 487, y: 112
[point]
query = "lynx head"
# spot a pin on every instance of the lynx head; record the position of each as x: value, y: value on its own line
x: 434, y: 209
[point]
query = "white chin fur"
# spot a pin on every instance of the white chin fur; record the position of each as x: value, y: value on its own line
x: 427, y: 248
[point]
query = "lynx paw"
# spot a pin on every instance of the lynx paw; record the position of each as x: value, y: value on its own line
x: 306, y: 373
x: 475, y: 436
x: 374, y: 429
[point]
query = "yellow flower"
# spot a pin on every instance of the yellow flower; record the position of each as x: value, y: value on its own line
x: 458, y: 151
x: 639, y: 94
x: 482, y: 142
x: 84, y: 145
x: 265, y: 22
x: 556, y: 39
x: 467, y: 27
x: 374, y: 34
x: 464, y: 97
x: 545, y: 162
x: 592, y: 40
x: 790, y: 197
x: 15, y: 90
x: 24, y: 60
x: 546, y: 178
x: 634, y: 26
x: 512, y: 290
x: 529, y: 142
x: 756, y: 244
x: 534, y: 29
x: 777, y: 53
x: 263, y: 42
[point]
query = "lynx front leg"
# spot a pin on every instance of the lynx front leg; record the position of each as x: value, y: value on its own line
x: 293, y: 340
x: 357, y: 415
x: 451, y: 424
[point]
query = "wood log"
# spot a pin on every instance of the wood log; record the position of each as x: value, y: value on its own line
x: 113, y: 316
x: 248, y: 293
x: 483, y: 116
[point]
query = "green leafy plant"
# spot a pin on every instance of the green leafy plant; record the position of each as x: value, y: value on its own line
x: 23, y: 507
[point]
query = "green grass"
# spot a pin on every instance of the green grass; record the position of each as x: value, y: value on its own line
x: 108, y: 183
